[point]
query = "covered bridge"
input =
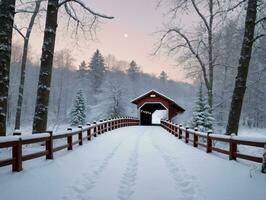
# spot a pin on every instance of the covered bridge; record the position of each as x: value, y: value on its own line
x: 151, y: 101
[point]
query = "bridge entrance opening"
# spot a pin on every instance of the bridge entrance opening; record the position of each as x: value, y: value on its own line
x: 152, y: 113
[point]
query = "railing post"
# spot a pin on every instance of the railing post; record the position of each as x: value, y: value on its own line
x: 80, y: 135
x: 209, y: 142
x: 180, y: 132
x: 105, y: 125
x: 17, y: 156
x: 172, y: 129
x: 112, y: 124
x: 195, y: 138
x: 95, y: 129
x: 186, y: 135
x: 70, y: 140
x: 232, y: 150
x: 263, y: 167
x: 118, y: 123
x: 49, y: 146
x: 100, y: 127
x: 176, y: 130
x: 88, y: 132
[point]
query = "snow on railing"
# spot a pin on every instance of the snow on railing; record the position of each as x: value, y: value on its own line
x: 48, y: 139
x: 208, y: 141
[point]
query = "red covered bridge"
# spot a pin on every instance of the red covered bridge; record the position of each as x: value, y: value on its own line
x: 151, y: 101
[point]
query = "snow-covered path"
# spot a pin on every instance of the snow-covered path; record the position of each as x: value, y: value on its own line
x: 138, y: 163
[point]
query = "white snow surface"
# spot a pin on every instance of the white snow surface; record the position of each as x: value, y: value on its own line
x: 138, y: 163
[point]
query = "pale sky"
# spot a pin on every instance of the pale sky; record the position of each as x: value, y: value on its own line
x: 138, y: 20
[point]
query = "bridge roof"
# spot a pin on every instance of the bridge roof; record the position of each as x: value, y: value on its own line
x: 158, y: 94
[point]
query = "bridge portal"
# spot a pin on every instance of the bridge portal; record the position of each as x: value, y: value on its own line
x: 153, y: 101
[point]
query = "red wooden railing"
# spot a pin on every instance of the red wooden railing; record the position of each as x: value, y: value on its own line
x: 49, y: 138
x: 207, y: 140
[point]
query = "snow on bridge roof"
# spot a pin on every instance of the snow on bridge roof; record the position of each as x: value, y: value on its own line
x: 173, y: 103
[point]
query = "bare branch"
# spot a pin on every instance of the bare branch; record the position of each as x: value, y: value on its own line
x: 19, y: 32
x: 231, y: 8
x: 86, y: 8
x: 260, y: 20
x: 200, y: 14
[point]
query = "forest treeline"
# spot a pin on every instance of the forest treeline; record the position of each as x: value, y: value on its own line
x: 118, y: 82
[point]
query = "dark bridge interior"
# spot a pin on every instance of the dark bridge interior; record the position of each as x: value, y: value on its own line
x: 146, y: 112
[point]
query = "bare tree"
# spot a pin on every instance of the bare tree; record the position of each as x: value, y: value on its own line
x: 41, y: 109
x: 26, y: 38
x: 7, y: 12
x: 243, y: 68
x: 198, y: 43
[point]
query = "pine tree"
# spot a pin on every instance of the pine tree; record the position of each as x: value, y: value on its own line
x: 163, y: 76
x: 77, y: 115
x: 82, y: 70
x: 202, y: 115
x: 97, y: 70
x: 133, y: 70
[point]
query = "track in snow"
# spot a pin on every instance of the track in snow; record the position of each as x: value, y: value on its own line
x: 133, y: 163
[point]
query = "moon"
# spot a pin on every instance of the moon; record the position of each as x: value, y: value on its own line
x: 125, y: 35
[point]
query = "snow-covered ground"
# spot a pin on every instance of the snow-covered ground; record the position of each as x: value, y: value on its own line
x: 252, y: 132
x: 137, y: 163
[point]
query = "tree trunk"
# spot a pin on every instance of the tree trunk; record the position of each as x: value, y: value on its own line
x: 210, y: 52
x: 263, y: 167
x: 7, y: 13
x: 23, y: 64
x: 243, y: 67
x: 41, y: 108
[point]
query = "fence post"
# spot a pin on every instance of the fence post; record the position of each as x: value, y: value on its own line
x: 186, y: 135
x: 88, y: 132
x: 49, y: 146
x: 195, y: 138
x: 100, y: 127
x: 103, y: 126
x: 69, y: 140
x: 209, y: 142
x: 232, y: 150
x: 263, y: 168
x: 173, y: 129
x: 176, y: 130
x: 17, y: 156
x: 80, y: 135
x: 112, y: 124
x: 180, y: 132
x: 95, y: 129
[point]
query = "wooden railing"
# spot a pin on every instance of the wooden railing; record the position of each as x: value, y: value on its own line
x: 48, y: 140
x: 207, y: 141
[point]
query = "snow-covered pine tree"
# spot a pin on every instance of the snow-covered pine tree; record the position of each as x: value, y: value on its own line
x: 77, y: 115
x: 133, y: 70
x: 163, y: 76
x: 83, y: 68
x: 202, y: 115
x: 97, y: 70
